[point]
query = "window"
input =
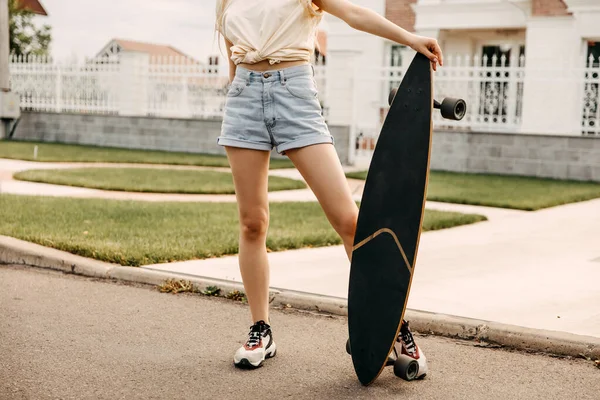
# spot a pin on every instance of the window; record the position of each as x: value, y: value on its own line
x: 500, y: 102
x: 396, y: 55
x: 591, y: 91
x: 594, y: 51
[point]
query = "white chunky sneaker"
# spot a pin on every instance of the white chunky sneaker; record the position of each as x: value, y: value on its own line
x: 258, y: 347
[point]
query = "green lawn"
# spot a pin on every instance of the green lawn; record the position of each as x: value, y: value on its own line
x: 522, y: 193
x: 153, y: 180
x: 138, y: 233
x: 57, y: 152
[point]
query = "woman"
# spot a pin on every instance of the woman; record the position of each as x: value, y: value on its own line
x: 273, y: 102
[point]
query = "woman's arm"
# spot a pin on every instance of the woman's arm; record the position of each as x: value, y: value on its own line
x: 366, y: 20
x: 232, y: 66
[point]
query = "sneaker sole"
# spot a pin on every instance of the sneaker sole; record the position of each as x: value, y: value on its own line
x: 244, y: 363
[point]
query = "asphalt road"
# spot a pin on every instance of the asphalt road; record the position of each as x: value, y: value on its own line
x: 67, y: 337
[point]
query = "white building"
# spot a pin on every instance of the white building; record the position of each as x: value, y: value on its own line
x: 540, y: 81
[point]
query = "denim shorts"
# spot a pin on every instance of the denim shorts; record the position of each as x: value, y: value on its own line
x: 277, y: 108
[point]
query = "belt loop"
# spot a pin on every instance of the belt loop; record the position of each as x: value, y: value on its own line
x: 313, y: 69
x: 248, y: 78
x: 282, y: 77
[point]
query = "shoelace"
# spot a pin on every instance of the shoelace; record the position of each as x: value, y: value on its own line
x: 255, y: 335
x: 253, y: 338
x: 408, y: 339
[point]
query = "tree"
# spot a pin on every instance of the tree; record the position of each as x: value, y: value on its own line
x: 25, y: 38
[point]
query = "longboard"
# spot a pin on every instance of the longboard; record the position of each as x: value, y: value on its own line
x: 390, y: 220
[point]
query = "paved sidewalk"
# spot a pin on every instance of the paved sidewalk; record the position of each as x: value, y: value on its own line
x: 66, y: 337
x: 538, y: 270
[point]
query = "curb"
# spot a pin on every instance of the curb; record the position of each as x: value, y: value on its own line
x: 505, y: 335
x: 17, y: 252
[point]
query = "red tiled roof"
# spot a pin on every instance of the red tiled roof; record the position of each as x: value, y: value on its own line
x: 150, y: 48
x: 32, y: 5
x: 158, y: 53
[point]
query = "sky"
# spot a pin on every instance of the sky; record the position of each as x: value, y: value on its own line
x: 81, y: 28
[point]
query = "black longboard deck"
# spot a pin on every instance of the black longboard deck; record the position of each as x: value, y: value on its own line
x: 389, y: 224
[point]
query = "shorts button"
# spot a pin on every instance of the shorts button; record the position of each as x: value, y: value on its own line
x: 266, y: 75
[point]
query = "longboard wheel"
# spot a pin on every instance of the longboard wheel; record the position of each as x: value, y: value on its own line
x: 348, y: 347
x: 406, y: 368
x: 454, y: 109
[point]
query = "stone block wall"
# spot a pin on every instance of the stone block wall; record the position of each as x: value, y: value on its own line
x: 557, y: 157
x: 186, y: 135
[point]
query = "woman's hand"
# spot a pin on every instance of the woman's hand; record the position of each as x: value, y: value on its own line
x: 429, y: 47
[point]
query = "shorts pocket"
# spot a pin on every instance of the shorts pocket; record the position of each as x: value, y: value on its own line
x: 235, y: 90
x: 303, y: 87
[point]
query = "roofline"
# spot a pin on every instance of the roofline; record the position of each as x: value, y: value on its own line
x: 43, y: 11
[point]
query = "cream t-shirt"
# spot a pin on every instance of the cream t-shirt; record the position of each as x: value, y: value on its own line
x: 274, y: 30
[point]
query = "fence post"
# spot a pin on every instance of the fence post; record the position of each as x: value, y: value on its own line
x: 4, y: 75
x: 341, y: 101
x: 58, y: 86
x: 551, y: 85
x: 184, y: 66
x: 133, y: 87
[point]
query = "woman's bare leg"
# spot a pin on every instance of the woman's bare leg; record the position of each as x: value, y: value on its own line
x: 321, y: 168
x: 250, y: 170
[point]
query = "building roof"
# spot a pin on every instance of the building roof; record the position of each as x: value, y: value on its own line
x: 32, y: 5
x: 158, y: 50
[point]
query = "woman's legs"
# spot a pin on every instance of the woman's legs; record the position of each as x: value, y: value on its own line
x: 320, y: 166
x: 250, y: 170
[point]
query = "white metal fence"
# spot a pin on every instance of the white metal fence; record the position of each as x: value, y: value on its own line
x: 166, y: 87
x: 493, y: 94
x: 494, y: 91
x: 46, y: 86
x: 177, y: 87
x: 590, y: 121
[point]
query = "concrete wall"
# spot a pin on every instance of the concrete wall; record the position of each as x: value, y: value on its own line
x: 462, y: 42
x: 552, y: 95
x: 473, y: 14
x: 558, y: 157
x: 186, y: 135
x: 353, y: 52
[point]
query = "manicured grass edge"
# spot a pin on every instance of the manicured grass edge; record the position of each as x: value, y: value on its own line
x: 362, y: 175
x: 276, y: 183
x: 218, y: 160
